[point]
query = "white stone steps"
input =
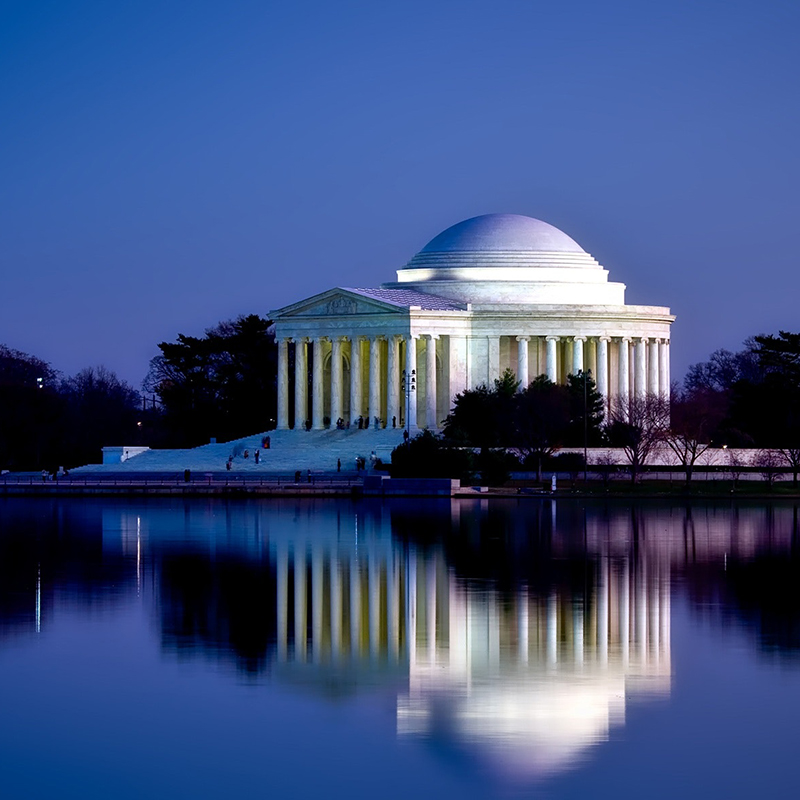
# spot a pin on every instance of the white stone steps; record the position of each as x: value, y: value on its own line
x: 289, y: 451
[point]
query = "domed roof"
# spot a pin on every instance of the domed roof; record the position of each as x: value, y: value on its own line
x: 502, y: 233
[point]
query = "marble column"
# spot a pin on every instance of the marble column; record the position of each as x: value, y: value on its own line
x: 552, y: 360
x: 430, y: 383
x: 602, y: 368
x: 640, y: 367
x: 300, y: 383
x: 663, y: 368
x: 283, y: 384
x: 522, y: 361
x: 393, y: 382
x: 577, y: 354
x: 336, y: 381
x: 652, y: 367
x: 494, y: 359
x: 590, y: 357
x: 355, y: 380
x: 374, y: 379
x: 624, y: 390
x: 411, y: 382
x: 318, y: 412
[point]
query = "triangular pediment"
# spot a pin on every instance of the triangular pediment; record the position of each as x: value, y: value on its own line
x: 336, y: 303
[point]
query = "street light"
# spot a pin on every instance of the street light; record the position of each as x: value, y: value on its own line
x: 409, y: 387
x: 585, y: 425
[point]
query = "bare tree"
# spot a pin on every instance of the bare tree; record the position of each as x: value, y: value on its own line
x: 606, y: 464
x: 791, y: 455
x: 769, y: 463
x: 737, y: 461
x: 638, y: 425
x: 693, y: 419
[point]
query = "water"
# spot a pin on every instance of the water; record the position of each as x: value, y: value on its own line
x: 418, y: 649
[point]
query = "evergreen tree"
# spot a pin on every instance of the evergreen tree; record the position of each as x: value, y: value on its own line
x: 222, y: 384
x: 586, y: 412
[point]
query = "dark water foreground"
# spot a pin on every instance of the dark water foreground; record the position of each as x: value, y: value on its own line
x: 311, y: 648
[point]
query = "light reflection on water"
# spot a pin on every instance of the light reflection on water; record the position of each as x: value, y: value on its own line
x: 517, y: 633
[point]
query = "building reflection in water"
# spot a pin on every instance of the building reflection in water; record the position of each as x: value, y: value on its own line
x: 514, y: 631
x: 529, y: 680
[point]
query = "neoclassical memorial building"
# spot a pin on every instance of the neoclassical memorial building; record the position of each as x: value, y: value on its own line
x: 495, y: 292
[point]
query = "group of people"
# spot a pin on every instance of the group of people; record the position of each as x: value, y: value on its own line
x: 54, y: 475
x: 265, y: 443
x: 361, y: 462
x: 362, y: 422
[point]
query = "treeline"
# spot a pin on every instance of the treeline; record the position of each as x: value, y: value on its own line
x: 219, y: 385
x: 749, y: 398
x: 48, y: 420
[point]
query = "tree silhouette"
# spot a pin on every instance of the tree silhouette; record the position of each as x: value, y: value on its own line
x: 222, y: 384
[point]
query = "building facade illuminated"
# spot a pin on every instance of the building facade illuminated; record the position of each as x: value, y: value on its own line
x: 495, y: 292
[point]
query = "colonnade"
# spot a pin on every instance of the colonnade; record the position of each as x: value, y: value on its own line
x: 386, y: 383
x: 642, y: 363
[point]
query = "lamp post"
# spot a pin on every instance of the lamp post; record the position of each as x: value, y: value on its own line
x: 409, y: 387
x: 585, y: 425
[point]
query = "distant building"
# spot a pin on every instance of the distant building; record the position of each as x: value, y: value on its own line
x: 493, y: 292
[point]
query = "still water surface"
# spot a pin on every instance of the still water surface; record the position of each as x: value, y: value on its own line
x: 412, y: 649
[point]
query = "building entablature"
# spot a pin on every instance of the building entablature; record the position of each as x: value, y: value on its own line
x: 539, y: 292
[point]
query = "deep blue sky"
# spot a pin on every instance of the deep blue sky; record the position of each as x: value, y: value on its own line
x: 167, y: 165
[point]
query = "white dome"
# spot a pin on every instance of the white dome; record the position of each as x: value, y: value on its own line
x: 508, y: 259
x: 502, y: 232
x: 501, y: 241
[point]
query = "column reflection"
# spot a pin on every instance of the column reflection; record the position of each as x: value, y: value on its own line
x: 532, y: 681
x: 530, y: 678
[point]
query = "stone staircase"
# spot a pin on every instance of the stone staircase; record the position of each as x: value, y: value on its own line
x: 289, y: 451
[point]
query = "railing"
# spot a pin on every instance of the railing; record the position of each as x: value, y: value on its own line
x: 222, y: 480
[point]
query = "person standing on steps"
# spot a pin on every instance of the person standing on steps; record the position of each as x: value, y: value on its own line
x: 338, y: 464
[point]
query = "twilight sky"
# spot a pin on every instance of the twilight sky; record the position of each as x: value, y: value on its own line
x: 166, y: 165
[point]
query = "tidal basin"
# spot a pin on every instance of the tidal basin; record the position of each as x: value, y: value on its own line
x: 415, y: 648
